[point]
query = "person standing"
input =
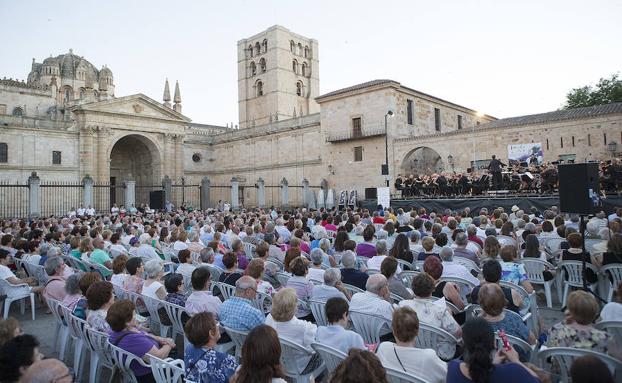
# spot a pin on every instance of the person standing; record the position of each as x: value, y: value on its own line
x: 494, y: 167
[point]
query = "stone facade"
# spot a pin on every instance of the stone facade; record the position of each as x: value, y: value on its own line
x: 336, y: 140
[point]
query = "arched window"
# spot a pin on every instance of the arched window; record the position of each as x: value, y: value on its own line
x: 262, y: 65
x: 299, y: 49
x: 259, y: 86
x: 4, y: 153
x: 292, y: 46
x: 82, y: 93
x: 257, y: 48
x: 299, y: 88
x: 250, y: 50
x: 253, y: 68
x: 18, y: 111
x: 265, y: 45
x: 295, y: 66
x: 306, y: 51
x: 95, y: 93
x: 304, y: 69
x: 68, y: 93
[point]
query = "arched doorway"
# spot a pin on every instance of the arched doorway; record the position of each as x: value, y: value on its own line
x: 134, y: 157
x: 422, y: 160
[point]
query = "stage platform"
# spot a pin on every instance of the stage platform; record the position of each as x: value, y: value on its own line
x: 541, y: 202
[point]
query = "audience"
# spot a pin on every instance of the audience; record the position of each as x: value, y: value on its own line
x: 201, y: 299
x: 237, y: 312
x: 349, y: 274
x: 99, y: 297
x: 511, y: 270
x: 119, y: 270
x: 9, y: 329
x: 590, y: 369
x: 152, y: 287
x: 613, y: 310
x: 390, y: 270
x: 301, y: 285
x: 443, y: 289
x: 361, y: 366
x: 332, y: 287
x: 55, y: 285
x: 185, y: 263
x: 47, y: 371
x: 175, y: 290
x: 134, y: 282
x: 16, y: 355
x: 261, y: 358
x: 231, y: 273
x: 375, y: 300
x: 492, y: 274
x: 336, y: 335
x: 81, y: 305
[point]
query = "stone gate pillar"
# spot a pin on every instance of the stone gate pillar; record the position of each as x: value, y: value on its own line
x: 261, y: 193
x: 305, y: 193
x: 167, y: 185
x: 330, y: 199
x: 205, y: 184
x: 87, y: 183
x: 235, y: 193
x: 34, y: 194
x: 284, y: 194
x: 130, y: 194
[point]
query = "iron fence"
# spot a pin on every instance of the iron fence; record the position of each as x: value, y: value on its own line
x: 14, y: 197
x: 59, y: 197
x: 186, y: 194
x: 105, y: 195
x: 142, y: 193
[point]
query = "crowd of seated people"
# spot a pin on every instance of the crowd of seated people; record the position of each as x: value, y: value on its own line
x: 460, y: 272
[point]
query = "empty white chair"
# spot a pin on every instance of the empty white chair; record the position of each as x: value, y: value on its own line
x: 433, y: 337
x: 612, y: 327
x: 76, y: 331
x: 574, y: 271
x: 613, y: 271
x: 369, y: 326
x: 17, y: 293
x: 564, y: 356
x: 123, y: 360
x: 331, y: 356
x: 101, y: 355
x: 238, y: 338
x: 535, y: 268
x: 176, y: 315
x: 318, y: 308
x: 167, y: 370
x: 61, y: 333
x: 290, y: 353
x: 396, y: 376
x: 153, y: 305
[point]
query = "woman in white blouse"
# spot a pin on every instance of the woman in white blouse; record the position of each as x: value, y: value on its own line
x: 152, y: 287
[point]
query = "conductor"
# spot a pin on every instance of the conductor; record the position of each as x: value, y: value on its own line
x: 494, y: 167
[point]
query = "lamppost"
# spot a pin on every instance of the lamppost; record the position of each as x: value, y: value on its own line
x: 386, y: 146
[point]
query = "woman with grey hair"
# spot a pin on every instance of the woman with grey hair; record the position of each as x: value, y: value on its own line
x: 153, y: 287
x: 72, y: 290
x: 316, y: 273
x: 195, y: 245
x: 326, y: 247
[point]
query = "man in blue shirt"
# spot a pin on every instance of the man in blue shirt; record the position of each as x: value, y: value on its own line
x: 237, y: 312
x: 350, y: 275
x: 335, y: 334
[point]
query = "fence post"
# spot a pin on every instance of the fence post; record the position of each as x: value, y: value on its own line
x: 330, y: 199
x: 205, y: 184
x: 261, y: 193
x: 167, y: 186
x: 321, y: 197
x: 284, y: 194
x: 87, y: 184
x: 130, y: 194
x: 235, y: 192
x: 34, y: 195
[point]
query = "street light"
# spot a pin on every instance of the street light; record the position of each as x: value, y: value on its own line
x: 386, y: 146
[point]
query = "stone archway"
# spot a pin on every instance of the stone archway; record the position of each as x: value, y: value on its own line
x: 422, y: 160
x: 135, y: 157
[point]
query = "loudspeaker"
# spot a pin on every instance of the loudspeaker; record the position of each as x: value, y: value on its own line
x: 384, y: 169
x: 156, y: 199
x: 371, y: 193
x: 579, y: 188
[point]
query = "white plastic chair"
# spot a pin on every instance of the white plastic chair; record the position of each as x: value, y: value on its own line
x: 318, y: 308
x: 406, y: 266
x: 396, y: 298
x: 396, y: 376
x: 119, y: 292
x: 352, y: 289
x: 101, y: 355
x: 153, y: 305
x: 535, y: 268
x: 76, y: 331
x: 167, y: 370
x: 123, y: 360
x: 214, y: 271
x: 613, y: 271
x: 175, y: 314
x: 331, y: 356
x: 529, y: 310
x: 574, y: 271
x: 407, y: 277
x: 369, y: 326
x: 17, y: 293
x: 469, y: 264
x: 527, y: 349
x: 465, y: 285
x: 226, y: 289
x: 564, y: 356
x: 61, y: 333
x: 249, y: 250
x: 262, y: 302
x: 282, y: 277
x: 430, y: 337
x: 612, y: 327
x: 290, y: 353
x: 37, y: 272
x: 238, y: 338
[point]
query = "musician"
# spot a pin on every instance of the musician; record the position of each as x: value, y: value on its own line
x: 464, y: 185
x: 441, y: 181
x: 549, y: 178
x: 398, y: 183
x: 408, y: 185
x: 494, y: 167
x: 533, y: 160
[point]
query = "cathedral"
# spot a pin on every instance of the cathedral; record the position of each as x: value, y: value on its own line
x: 65, y: 123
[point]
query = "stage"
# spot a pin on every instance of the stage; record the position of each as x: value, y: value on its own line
x: 542, y: 203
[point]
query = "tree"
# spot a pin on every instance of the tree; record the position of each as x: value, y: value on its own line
x: 606, y: 91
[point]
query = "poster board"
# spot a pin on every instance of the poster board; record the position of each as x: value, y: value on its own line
x: 522, y: 152
x: 384, y: 196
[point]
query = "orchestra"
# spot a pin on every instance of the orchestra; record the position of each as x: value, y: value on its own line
x: 518, y: 178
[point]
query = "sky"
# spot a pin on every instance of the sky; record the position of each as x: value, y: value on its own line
x: 499, y: 57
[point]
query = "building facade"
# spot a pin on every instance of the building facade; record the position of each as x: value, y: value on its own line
x: 65, y: 123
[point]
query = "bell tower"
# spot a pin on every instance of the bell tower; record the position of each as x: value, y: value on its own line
x: 278, y: 77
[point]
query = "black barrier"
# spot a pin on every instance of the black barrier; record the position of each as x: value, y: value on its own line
x: 476, y: 204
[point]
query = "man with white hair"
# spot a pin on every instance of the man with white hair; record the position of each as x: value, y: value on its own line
x: 454, y: 269
x: 376, y: 300
x: 381, y: 253
x: 282, y: 231
x: 145, y: 250
x: 316, y: 273
x: 206, y: 234
x: 461, y: 249
x: 55, y: 286
x: 332, y: 287
x: 237, y: 312
x: 349, y: 274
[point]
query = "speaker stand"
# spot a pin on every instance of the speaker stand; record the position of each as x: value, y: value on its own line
x: 584, y: 262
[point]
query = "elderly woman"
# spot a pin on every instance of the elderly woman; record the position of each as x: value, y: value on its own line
x: 326, y: 247
x: 449, y: 290
x: 174, y: 284
x: 134, y: 281
x: 99, y: 298
x: 513, y: 271
x: 153, y: 287
x: 389, y: 269
x: 86, y: 281
x: 237, y: 247
x: 195, y: 244
x: 181, y: 239
x: 72, y: 291
x: 203, y: 363
x: 283, y: 320
x: 119, y: 273
x: 125, y: 335
x: 301, y: 285
x: 491, y: 248
x: 185, y: 262
x: 316, y: 272
x: 431, y: 313
x: 577, y: 331
x: 492, y: 300
x: 332, y: 287
x: 405, y: 355
x: 255, y: 270
x: 55, y: 285
x: 261, y: 354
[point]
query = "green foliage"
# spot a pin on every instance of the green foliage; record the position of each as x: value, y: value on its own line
x: 606, y: 91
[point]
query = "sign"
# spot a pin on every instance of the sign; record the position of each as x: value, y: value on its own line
x: 384, y: 196
x: 353, y: 198
x: 522, y: 152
